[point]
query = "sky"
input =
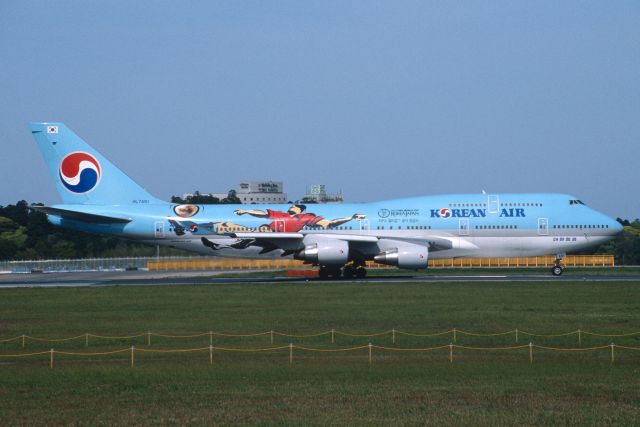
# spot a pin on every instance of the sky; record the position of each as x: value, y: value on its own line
x: 376, y: 99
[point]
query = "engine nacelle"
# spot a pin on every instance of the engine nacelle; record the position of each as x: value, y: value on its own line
x: 411, y: 258
x: 325, y: 252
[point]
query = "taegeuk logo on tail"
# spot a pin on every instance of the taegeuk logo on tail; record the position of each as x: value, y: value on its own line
x: 80, y: 172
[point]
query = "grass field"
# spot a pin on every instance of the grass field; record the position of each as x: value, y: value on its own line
x: 479, y: 388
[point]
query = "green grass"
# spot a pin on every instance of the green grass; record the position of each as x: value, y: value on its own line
x: 485, y: 388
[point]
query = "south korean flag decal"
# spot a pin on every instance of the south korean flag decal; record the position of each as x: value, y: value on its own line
x: 52, y: 129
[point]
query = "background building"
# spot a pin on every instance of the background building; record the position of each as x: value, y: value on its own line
x: 318, y: 194
x: 253, y: 192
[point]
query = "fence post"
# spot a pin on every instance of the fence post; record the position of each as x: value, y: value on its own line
x: 369, y: 353
x: 393, y: 336
x: 612, y: 357
x: 455, y: 335
x: 210, y: 354
x: 333, y: 338
x: 271, y: 336
x: 51, y: 359
x: 86, y: 339
x: 450, y: 352
x: 210, y: 338
x: 133, y: 349
x: 579, y: 337
x: 22, y: 340
x: 290, y: 353
x: 516, y: 334
x: 530, y: 352
x: 149, y: 338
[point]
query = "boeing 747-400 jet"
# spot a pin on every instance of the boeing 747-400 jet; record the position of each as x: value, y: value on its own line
x: 99, y: 198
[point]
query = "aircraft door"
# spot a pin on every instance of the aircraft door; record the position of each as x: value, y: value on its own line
x: 493, y: 204
x: 364, y: 224
x: 543, y: 226
x: 463, y: 227
x: 159, y: 229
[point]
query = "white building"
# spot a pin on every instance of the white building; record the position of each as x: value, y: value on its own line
x: 261, y: 192
x: 318, y: 194
x: 254, y: 192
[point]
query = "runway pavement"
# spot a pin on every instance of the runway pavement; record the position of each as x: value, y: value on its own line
x: 154, y: 278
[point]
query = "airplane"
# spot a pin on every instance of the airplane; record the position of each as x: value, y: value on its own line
x: 337, y: 238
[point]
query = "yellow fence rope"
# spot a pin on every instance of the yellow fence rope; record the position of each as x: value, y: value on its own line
x: 626, y: 348
x: 181, y: 336
x: 25, y: 354
x: 329, y: 350
x: 53, y: 339
x: 174, y: 350
x: 251, y: 350
x: 610, y: 335
x: 410, y: 349
x: 100, y: 353
x: 478, y: 334
x: 573, y: 349
x: 347, y: 334
x: 282, y: 334
x: 424, y: 335
x: 115, y: 337
x: 466, y: 347
x: 226, y: 334
x: 551, y: 335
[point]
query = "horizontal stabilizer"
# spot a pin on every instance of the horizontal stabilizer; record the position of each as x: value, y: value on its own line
x: 81, y: 216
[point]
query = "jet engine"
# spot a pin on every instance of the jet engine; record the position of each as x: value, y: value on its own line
x: 325, y: 252
x: 411, y: 257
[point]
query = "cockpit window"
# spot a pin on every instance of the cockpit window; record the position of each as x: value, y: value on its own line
x: 576, y: 202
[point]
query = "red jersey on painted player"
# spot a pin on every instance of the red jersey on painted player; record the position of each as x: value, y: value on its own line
x: 295, y: 219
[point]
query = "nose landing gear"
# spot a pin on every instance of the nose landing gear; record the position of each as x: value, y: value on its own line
x: 558, y: 268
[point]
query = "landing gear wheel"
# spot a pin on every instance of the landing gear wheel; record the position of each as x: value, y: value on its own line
x: 349, y: 272
x: 361, y: 272
x: 329, y: 272
x: 557, y: 270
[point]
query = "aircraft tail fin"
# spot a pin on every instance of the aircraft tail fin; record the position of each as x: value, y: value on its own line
x: 82, y: 175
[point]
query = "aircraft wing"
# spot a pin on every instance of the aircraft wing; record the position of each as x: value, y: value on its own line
x: 81, y: 216
x: 266, y: 236
x: 289, y: 241
x: 435, y: 243
x: 278, y: 236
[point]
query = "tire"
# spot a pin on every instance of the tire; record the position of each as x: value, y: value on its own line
x: 349, y: 272
x: 557, y: 270
x: 361, y: 273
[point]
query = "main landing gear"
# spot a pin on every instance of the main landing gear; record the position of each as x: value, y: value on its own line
x: 349, y: 272
x: 328, y: 272
x: 558, y: 268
